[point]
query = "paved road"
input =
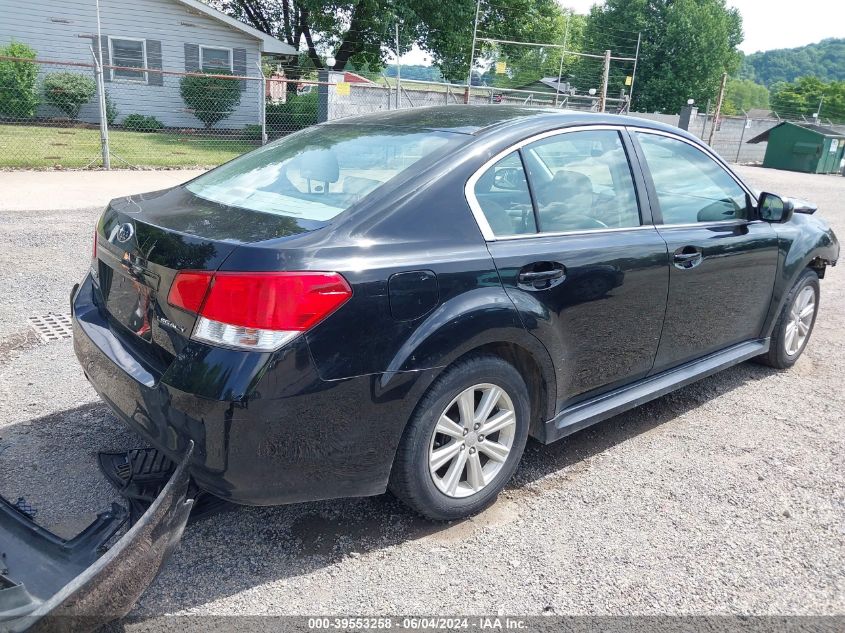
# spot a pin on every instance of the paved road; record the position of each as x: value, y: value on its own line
x: 727, y: 496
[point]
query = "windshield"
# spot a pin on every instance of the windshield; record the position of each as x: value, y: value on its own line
x: 318, y: 173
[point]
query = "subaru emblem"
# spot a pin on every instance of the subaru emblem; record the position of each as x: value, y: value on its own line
x: 125, y: 232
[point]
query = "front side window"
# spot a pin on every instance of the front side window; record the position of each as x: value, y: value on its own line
x: 128, y: 54
x: 503, y: 196
x: 582, y: 181
x: 215, y: 59
x: 691, y: 187
x: 320, y: 172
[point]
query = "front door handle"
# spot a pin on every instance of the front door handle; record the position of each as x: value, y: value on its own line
x: 687, y: 257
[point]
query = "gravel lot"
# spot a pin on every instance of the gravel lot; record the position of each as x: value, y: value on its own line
x: 726, y: 497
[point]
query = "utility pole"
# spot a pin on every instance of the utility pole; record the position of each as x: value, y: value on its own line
x: 101, y: 90
x: 741, y: 136
x: 562, y: 55
x: 634, y: 73
x: 472, y: 51
x: 718, y: 108
x: 398, y: 72
x: 819, y: 111
x: 262, y: 103
x: 604, y: 78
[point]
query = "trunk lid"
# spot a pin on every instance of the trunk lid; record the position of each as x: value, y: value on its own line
x: 144, y: 241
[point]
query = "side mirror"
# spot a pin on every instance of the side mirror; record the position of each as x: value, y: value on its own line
x: 774, y: 209
x: 509, y: 179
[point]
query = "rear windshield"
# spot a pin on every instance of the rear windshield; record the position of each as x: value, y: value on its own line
x: 320, y: 172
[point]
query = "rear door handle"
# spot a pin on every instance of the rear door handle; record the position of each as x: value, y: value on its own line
x: 687, y: 257
x: 540, y: 275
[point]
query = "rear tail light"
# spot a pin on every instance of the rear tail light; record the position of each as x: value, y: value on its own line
x: 257, y: 311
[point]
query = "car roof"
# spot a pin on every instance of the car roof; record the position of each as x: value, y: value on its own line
x: 480, y: 120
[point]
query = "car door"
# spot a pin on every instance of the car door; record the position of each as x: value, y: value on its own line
x: 722, y: 261
x: 577, y: 253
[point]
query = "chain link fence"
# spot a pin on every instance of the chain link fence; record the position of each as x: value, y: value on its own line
x: 47, y: 114
x: 50, y: 112
x: 372, y: 96
x: 732, y: 134
x: 61, y: 114
x: 51, y: 116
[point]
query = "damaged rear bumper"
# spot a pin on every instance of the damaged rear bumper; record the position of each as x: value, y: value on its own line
x: 49, y: 583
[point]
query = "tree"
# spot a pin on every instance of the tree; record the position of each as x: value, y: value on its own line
x: 360, y: 32
x: 744, y: 94
x: 210, y: 97
x: 686, y: 46
x: 349, y: 31
x: 803, y: 97
x: 527, y: 64
x: 447, y: 34
x: 18, y: 92
x: 68, y: 92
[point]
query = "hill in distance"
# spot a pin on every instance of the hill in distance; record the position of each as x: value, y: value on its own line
x: 825, y: 60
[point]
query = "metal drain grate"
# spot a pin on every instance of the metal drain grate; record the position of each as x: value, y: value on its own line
x: 52, y: 327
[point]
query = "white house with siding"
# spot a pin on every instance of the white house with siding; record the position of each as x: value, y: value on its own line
x: 174, y: 36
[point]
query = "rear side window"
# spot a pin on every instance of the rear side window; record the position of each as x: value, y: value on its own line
x: 502, y: 193
x: 582, y: 181
x: 319, y: 173
x: 574, y: 181
x: 691, y: 187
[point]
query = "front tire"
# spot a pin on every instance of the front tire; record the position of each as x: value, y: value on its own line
x: 464, y: 441
x: 795, y: 324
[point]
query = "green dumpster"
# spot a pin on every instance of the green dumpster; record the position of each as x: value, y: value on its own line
x: 803, y: 147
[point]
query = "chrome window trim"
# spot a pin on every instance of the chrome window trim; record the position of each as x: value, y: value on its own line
x: 475, y: 207
x: 518, y: 236
x: 704, y: 225
x: 489, y: 236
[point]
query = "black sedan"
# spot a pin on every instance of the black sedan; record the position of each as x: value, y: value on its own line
x: 398, y: 301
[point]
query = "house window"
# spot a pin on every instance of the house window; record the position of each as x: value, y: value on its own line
x: 128, y: 53
x: 215, y: 59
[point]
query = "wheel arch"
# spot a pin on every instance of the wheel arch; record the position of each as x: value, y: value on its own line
x: 805, y: 247
x: 538, y: 381
x: 528, y: 356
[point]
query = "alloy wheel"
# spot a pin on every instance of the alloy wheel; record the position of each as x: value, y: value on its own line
x: 472, y: 440
x: 800, y: 320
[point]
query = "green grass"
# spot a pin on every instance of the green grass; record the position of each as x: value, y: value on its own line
x: 43, y: 147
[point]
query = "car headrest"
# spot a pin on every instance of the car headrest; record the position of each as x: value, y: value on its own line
x: 319, y: 164
x: 572, y: 182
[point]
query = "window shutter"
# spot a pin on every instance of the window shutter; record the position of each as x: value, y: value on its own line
x: 154, y: 62
x: 192, y: 58
x: 105, y: 60
x: 239, y: 65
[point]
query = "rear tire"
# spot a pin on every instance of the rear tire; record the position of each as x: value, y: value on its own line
x: 795, y: 323
x: 446, y: 468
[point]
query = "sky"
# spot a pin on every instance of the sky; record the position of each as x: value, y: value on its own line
x: 767, y: 24
x: 772, y: 24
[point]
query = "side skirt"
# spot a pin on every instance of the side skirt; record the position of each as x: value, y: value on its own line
x: 607, y: 405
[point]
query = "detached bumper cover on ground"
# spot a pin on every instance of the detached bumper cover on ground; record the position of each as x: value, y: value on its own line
x: 48, y: 583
